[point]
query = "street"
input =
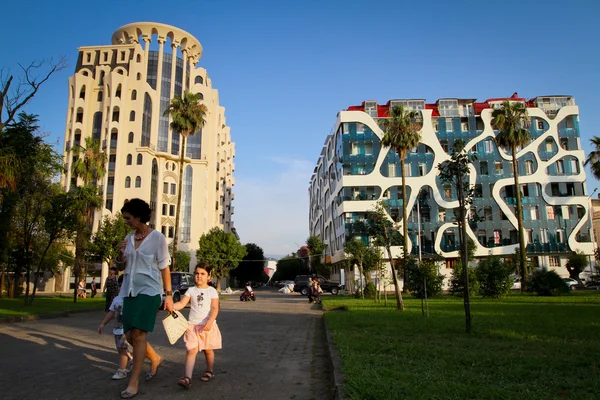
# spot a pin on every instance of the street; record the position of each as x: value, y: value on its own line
x: 274, y: 348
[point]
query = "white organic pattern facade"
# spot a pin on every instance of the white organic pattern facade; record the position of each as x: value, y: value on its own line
x: 556, y: 207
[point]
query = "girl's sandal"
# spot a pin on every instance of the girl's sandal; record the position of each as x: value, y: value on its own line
x: 207, y: 376
x: 185, y: 382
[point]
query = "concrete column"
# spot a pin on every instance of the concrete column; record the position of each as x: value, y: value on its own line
x: 184, y: 55
x: 103, y: 275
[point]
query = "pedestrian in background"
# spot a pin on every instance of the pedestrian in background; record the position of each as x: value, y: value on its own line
x: 93, y: 287
x: 111, y: 287
x: 116, y: 312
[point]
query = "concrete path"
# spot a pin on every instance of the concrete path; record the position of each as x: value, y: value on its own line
x: 274, y: 348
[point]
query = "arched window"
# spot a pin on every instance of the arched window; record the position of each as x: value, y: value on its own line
x: 130, y: 138
x: 118, y: 92
x: 138, y: 182
x: 100, y: 96
x: 139, y: 159
x: 101, y: 81
x: 134, y: 95
x: 115, y: 114
x: 199, y: 80
x: 128, y: 182
x: 138, y: 58
x: 82, y: 92
x: 79, y: 115
x: 132, y: 116
x: 129, y: 159
x: 200, y: 96
x: 139, y: 76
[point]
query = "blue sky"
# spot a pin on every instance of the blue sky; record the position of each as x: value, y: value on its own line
x: 285, y: 68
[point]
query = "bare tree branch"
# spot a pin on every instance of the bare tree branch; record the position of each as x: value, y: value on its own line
x: 34, y: 76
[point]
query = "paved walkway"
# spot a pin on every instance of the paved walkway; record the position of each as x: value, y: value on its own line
x: 273, y: 348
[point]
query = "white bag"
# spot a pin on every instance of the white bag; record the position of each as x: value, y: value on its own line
x: 175, y: 326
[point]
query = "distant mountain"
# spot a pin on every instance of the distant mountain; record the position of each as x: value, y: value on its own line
x: 274, y: 256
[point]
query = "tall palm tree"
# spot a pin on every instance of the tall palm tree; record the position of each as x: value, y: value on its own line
x: 402, y: 133
x: 90, y: 166
x: 512, y: 122
x: 593, y: 159
x: 187, y: 117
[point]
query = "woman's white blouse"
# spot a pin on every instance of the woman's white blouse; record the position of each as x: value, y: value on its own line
x: 142, y: 272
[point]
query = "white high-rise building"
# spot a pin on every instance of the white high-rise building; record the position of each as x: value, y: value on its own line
x: 118, y: 96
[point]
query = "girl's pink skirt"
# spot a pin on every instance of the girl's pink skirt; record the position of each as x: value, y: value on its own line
x: 197, y: 338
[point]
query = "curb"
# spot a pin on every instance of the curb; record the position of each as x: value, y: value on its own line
x: 12, y: 320
x: 339, y: 392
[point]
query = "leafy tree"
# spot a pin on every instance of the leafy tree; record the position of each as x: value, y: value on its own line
x: 593, y: 158
x: 252, y: 266
x: 576, y: 264
x: 381, y: 229
x: 187, y: 118
x: 456, y: 171
x: 424, y: 278
x: 317, y: 250
x: 183, y: 261
x: 356, y: 249
x: 457, y: 287
x: 402, y: 133
x: 90, y: 166
x: 547, y: 283
x: 106, y: 241
x: 289, y: 267
x: 221, y: 250
x: 512, y: 122
x: 494, y: 277
x: 371, y: 261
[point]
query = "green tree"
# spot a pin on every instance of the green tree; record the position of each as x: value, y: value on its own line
x: 90, y: 166
x: 371, y: 261
x: 221, y: 250
x: 187, y: 118
x: 381, y: 229
x: 289, y: 267
x: 110, y: 234
x: 512, y: 122
x: 252, y: 266
x: 317, y: 251
x: 183, y: 261
x: 576, y: 264
x: 494, y: 277
x: 455, y: 172
x: 457, y: 287
x: 593, y: 158
x: 402, y: 133
x: 355, y: 248
x: 424, y: 279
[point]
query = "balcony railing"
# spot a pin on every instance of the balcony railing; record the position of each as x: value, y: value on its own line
x: 144, y: 143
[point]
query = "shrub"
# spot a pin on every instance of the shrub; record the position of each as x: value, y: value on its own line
x: 370, y: 290
x: 418, y: 272
x: 457, y: 287
x: 547, y: 283
x: 494, y: 276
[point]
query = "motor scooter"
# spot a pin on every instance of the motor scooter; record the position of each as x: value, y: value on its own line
x: 247, y: 296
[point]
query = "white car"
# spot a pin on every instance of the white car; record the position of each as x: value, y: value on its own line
x: 571, y: 283
x: 516, y: 284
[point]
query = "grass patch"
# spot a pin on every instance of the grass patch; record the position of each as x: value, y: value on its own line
x: 11, y: 308
x: 521, y: 347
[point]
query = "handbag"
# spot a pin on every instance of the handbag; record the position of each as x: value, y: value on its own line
x: 175, y: 326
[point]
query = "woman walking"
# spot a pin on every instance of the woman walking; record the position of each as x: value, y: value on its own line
x: 145, y: 257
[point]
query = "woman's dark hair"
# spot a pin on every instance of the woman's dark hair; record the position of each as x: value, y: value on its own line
x: 137, y: 208
x: 204, y: 266
x: 114, y: 269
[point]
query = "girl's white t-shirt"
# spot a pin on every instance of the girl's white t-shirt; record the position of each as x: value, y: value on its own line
x: 200, y: 301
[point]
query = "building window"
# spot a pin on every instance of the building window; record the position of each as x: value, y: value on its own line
x: 138, y: 182
x: 487, y: 214
x: 118, y: 92
x: 129, y: 159
x: 529, y: 167
x: 79, y: 116
x: 564, y: 143
x: 82, y: 92
x: 165, y: 188
x: 360, y: 128
x: 171, y: 232
x: 164, y: 208
x: 483, y: 167
x: 560, y: 167
x: 540, y: 125
x: 134, y: 95
x: 172, y: 210
x: 198, y: 80
x: 100, y: 96
x: 549, y: 145
x: 499, y: 168
x: 368, y: 149
x: 407, y: 170
x: 115, y: 114
x: 127, y: 182
x: 422, y: 169
x: 449, y: 127
x: 391, y: 170
x: 354, y: 148
x: 139, y: 159
x: 173, y: 187
x: 448, y: 191
x: 163, y: 229
x: 130, y: 138
x: 132, y: 116
x: 534, y: 213
x: 441, y: 214
x: 109, y: 204
x: 554, y: 261
x: 444, y: 144
x: 488, y: 146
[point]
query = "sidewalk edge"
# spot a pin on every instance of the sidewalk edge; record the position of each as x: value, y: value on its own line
x: 336, y: 366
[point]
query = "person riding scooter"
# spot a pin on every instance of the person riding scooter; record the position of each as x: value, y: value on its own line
x: 248, y: 293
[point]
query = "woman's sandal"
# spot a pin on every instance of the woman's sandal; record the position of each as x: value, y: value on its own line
x: 207, y: 376
x: 185, y: 382
x: 128, y: 395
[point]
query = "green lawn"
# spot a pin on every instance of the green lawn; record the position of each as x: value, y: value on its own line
x: 521, y: 347
x: 10, y: 308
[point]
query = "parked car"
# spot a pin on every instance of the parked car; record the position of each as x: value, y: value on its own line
x: 180, y: 283
x: 301, y: 285
x: 516, y: 284
x: 571, y: 283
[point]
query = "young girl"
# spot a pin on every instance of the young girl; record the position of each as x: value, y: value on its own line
x: 203, y: 332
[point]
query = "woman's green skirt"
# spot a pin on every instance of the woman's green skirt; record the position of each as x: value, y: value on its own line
x: 139, y: 312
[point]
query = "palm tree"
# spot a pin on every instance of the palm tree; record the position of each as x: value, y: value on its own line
x: 187, y: 117
x: 402, y: 133
x: 90, y: 166
x: 512, y: 123
x: 594, y: 157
